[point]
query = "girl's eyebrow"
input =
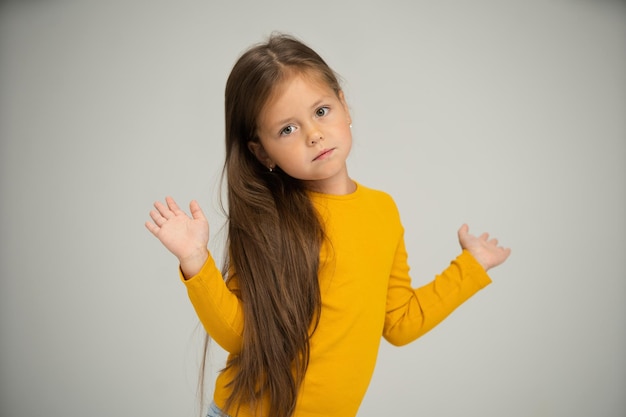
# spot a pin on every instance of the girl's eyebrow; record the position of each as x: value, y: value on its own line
x: 320, y: 101
x: 313, y: 106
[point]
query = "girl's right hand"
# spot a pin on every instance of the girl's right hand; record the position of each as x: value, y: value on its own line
x: 186, y: 237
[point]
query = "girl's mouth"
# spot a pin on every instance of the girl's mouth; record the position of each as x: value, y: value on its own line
x: 323, y: 154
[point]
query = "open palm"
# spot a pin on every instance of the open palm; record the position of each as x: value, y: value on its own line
x: 486, y: 251
x: 185, y: 236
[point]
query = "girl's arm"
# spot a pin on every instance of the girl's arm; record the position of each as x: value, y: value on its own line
x: 220, y: 311
x: 187, y: 238
x: 411, y: 312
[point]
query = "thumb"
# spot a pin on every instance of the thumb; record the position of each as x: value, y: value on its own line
x: 463, y: 234
x: 463, y: 231
x: 196, y: 211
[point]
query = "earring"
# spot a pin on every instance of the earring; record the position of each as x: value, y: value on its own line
x: 271, y: 168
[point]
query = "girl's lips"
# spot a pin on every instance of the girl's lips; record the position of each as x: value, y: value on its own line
x: 323, y: 154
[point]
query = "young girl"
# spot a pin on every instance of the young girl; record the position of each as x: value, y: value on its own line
x: 316, y: 270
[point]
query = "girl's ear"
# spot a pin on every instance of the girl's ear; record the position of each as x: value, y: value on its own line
x: 257, y: 150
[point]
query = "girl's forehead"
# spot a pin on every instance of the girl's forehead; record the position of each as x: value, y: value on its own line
x: 309, y: 78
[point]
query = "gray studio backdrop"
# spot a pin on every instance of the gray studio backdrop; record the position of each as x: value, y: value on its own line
x: 508, y: 115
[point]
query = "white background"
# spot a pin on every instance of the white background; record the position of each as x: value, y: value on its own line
x: 508, y: 115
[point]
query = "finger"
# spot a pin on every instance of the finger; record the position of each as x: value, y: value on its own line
x: 154, y: 229
x: 463, y: 231
x: 196, y: 211
x: 493, y: 242
x: 157, y: 218
x: 163, y: 210
x: 171, y: 204
x: 484, y: 236
x: 505, y: 253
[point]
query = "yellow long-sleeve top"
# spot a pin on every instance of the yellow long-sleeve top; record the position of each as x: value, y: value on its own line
x: 366, y: 293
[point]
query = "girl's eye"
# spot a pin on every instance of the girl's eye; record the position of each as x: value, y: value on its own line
x: 288, y: 130
x: 322, y: 111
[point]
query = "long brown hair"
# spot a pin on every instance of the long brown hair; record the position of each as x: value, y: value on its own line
x: 274, y: 236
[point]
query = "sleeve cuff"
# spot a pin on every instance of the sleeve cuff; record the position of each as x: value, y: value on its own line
x: 208, y: 265
x: 476, y: 272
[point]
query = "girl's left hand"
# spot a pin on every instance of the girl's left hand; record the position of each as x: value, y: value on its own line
x: 486, y: 251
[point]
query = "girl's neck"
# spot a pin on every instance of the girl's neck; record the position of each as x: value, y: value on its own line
x: 337, y: 187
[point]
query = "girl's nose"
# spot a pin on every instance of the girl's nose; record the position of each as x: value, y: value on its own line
x: 315, y: 137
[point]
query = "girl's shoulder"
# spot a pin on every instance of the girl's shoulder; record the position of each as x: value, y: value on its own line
x: 374, y: 194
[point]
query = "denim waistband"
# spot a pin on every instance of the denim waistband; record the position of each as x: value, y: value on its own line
x: 214, y: 411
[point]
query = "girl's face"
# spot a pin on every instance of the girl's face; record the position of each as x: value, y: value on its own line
x: 305, y: 130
